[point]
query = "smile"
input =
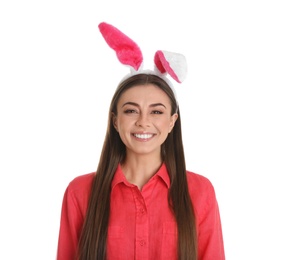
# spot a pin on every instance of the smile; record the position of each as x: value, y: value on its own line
x: 143, y: 136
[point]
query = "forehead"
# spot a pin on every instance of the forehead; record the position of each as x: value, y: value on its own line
x: 145, y: 93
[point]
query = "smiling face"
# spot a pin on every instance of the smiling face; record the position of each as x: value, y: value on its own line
x: 144, y: 119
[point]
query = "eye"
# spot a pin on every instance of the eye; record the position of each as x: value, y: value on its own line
x: 130, y: 111
x: 157, y: 112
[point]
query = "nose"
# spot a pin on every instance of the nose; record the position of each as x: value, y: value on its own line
x: 143, y: 121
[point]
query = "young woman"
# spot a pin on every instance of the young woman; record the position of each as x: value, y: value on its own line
x: 141, y: 203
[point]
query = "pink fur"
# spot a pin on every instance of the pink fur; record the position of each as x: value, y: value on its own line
x: 127, y: 51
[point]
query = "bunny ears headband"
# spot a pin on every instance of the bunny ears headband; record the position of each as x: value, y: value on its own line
x: 129, y: 53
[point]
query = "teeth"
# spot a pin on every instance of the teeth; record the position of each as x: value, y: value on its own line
x: 143, y: 136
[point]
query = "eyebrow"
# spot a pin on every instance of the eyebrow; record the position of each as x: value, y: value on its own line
x: 137, y: 105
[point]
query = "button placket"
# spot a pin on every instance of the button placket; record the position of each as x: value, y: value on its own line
x: 142, y: 223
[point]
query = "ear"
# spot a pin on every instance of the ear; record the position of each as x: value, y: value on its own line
x: 114, y: 121
x: 173, y: 63
x: 174, y: 118
x: 127, y: 51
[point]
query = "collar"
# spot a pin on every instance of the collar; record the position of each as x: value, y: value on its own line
x: 119, y: 176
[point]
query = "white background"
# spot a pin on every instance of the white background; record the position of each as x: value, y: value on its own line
x: 57, y: 77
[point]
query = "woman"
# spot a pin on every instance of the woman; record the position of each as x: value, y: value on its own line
x: 141, y: 203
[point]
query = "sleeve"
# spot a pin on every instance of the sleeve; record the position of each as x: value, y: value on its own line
x: 210, y: 239
x: 70, y: 226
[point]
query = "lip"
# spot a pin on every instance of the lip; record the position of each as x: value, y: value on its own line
x: 143, y: 137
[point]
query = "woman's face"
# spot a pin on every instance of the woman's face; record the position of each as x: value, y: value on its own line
x: 144, y: 119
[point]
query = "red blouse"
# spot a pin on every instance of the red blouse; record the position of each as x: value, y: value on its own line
x: 141, y: 225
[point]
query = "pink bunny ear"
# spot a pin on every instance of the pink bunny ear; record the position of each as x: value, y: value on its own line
x: 127, y: 51
x: 173, y: 63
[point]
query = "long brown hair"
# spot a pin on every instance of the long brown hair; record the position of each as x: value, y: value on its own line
x: 92, y: 243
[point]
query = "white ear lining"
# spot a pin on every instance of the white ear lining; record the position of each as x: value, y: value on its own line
x: 174, y: 64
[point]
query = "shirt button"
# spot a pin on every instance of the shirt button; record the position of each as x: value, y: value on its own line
x: 142, y: 243
x: 142, y: 210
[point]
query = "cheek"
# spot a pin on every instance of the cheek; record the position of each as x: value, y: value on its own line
x: 164, y: 126
x: 123, y: 123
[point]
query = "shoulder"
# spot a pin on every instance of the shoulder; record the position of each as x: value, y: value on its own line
x: 207, y: 216
x: 198, y: 182
x: 81, y: 181
x: 201, y: 191
x: 80, y: 186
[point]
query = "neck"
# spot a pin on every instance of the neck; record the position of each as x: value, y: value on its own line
x: 139, y: 169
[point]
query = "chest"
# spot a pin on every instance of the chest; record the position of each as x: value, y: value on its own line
x: 141, y: 224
